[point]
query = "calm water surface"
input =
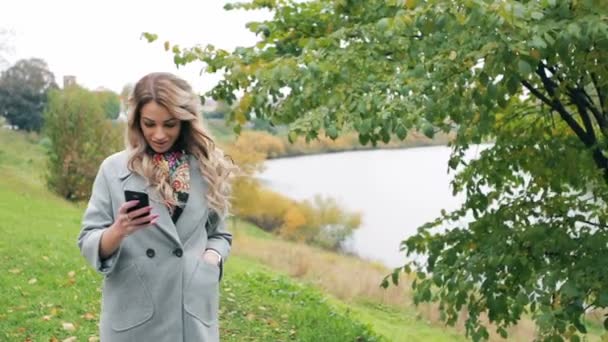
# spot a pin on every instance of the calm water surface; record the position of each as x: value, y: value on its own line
x: 396, y: 191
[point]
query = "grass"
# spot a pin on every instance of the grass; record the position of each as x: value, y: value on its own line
x: 49, y: 293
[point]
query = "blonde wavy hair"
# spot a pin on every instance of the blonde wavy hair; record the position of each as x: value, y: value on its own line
x: 177, y: 97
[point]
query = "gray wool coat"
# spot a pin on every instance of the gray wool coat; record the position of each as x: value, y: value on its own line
x: 155, y: 287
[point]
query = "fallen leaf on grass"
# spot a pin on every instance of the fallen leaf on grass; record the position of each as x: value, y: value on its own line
x: 15, y: 271
x: 32, y: 281
x: 70, y: 339
x: 46, y: 318
x: 88, y: 316
x: 45, y: 258
x: 71, y: 274
x: 93, y: 339
x: 68, y: 326
x: 53, y: 339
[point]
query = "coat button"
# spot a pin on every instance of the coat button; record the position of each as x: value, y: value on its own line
x: 178, y: 252
x: 150, y: 253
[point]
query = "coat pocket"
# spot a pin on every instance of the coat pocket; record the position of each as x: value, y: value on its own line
x: 126, y: 300
x: 201, y: 298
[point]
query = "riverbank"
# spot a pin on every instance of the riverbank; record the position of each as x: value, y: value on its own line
x: 275, y: 146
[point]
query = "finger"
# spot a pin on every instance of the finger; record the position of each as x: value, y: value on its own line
x: 144, y: 221
x: 139, y: 212
x: 127, y: 205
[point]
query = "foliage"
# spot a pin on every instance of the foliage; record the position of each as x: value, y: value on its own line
x: 23, y: 93
x: 110, y: 102
x: 322, y: 222
x: 80, y: 138
x: 531, y: 236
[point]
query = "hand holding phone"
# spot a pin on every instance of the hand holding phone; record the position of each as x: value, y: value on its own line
x: 143, y: 199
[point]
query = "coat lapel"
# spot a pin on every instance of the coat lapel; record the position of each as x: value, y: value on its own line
x: 134, y: 182
x: 196, y: 206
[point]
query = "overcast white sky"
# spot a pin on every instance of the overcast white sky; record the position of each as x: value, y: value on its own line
x: 99, y: 41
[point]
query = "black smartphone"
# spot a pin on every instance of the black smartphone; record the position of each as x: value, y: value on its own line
x: 142, y: 197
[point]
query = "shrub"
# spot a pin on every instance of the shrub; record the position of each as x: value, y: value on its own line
x: 80, y: 137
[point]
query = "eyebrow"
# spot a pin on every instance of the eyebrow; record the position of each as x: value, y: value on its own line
x: 145, y: 118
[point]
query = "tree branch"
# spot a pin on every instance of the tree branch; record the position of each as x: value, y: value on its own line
x: 581, y: 104
x: 600, y: 93
x: 558, y: 107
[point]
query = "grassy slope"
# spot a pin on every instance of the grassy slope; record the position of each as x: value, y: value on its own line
x: 47, y: 287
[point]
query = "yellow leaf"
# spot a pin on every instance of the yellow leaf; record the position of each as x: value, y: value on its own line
x: 88, y: 316
x: 46, y: 318
x: 71, y: 274
x: 32, y: 281
x: 453, y: 55
x: 68, y: 326
x: 70, y: 339
x: 14, y: 271
x: 93, y: 339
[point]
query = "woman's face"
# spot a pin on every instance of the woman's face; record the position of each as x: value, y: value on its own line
x: 160, y: 128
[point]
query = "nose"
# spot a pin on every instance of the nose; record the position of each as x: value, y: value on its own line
x: 159, y: 134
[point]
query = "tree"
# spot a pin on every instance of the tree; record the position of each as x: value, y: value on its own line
x: 110, y: 102
x: 23, y: 93
x: 532, y: 76
x: 81, y: 137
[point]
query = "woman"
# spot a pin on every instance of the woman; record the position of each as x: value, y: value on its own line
x: 161, y: 263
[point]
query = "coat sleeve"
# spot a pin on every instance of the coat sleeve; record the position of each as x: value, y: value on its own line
x: 218, y: 238
x: 98, y: 216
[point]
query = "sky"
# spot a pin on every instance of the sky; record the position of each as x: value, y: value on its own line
x: 100, y: 42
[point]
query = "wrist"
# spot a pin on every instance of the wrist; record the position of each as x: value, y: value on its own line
x: 116, y: 233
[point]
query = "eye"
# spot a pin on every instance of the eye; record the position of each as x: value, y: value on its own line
x: 149, y: 124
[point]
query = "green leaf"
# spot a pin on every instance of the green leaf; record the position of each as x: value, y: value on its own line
x: 513, y: 85
x: 524, y: 68
x: 150, y: 37
x: 428, y: 131
x: 502, y: 332
x: 332, y: 132
x: 237, y: 129
x: 395, y: 276
x: 536, y: 15
x: 366, y: 126
x: 401, y: 132
x: 292, y: 136
x: 384, y: 283
x: 580, y: 326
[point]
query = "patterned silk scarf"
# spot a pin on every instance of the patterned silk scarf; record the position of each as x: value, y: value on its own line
x: 174, y: 165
